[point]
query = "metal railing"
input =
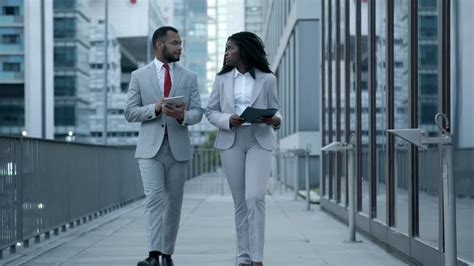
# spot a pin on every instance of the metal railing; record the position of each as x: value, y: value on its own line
x: 44, y: 185
x: 47, y: 186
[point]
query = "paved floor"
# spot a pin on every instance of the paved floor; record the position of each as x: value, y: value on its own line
x: 294, y: 236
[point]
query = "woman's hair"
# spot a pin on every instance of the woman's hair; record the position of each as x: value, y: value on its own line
x: 252, y: 52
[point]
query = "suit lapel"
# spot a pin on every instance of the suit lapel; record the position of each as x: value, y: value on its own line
x: 154, y: 80
x: 257, y: 86
x: 229, y: 88
x: 175, y: 80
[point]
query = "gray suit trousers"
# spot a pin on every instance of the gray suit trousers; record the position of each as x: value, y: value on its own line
x: 247, y: 167
x: 163, y: 181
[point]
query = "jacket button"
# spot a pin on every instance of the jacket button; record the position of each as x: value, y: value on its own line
x: 162, y: 125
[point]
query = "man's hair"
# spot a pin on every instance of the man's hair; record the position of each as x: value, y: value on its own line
x: 252, y: 52
x: 160, y: 33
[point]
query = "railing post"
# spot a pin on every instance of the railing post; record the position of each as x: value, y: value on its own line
x: 449, y: 205
x: 421, y: 139
x: 352, y: 197
x: 296, y: 179
x: 308, y: 192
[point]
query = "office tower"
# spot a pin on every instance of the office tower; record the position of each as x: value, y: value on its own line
x: 26, y: 61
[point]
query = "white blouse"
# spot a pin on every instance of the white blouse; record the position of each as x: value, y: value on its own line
x: 243, y: 86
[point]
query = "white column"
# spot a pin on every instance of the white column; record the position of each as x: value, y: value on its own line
x: 39, y: 62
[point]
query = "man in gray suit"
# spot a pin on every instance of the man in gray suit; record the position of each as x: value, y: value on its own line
x: 163, y: 148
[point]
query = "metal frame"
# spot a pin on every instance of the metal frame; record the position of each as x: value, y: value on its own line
x: 338, y: 158
x: 413, y: 202
x: 372, y: 110
x: 329, y: 91
x: 323, y: 100
x: 390, y: 220
x: 347, y: 83
x: 358, y: 131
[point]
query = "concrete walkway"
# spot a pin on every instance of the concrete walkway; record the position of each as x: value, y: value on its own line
x: 294, y: 236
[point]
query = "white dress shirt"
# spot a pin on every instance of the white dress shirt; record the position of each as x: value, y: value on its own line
x: 160, y: 72
x: 243, y: 87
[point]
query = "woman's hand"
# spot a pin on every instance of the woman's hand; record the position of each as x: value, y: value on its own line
x: 274, y: 120
x: 235, y: 120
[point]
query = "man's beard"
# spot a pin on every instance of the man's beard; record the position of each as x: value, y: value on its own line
x: 169, y: 56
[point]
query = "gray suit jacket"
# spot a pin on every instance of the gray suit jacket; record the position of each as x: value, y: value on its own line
x: 221, y: 107
x: 144, y: 92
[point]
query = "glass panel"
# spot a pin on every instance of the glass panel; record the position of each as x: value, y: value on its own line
x: 462, y: 95
x: 401, y: 115
x: 427, y: 109
x: 326, y: 114
x: 333, y: 94
x: 381, y: 110
x: 352, y: 113
x: 342, y: 168
x: 365, y: 108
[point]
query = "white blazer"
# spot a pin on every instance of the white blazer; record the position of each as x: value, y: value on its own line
x: 221, y: 107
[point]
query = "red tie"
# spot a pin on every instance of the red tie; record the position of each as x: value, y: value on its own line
x: 167, y: 83
x: 167, y: 86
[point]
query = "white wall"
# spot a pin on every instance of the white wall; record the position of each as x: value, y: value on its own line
x: 464, y: 65
x: 34, y: 69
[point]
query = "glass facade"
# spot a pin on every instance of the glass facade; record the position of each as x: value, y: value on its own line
x: 12, y: 69
x: 382, y: 69
x: 71, y: 69
x: 190, y: 19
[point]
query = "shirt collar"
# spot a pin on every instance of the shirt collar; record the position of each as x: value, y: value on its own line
x: 250, y: 73
x: 159, y: 64
x: 237, y: 73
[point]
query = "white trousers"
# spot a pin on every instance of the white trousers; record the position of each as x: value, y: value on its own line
x: 163, y: 181
x: 247, y: 168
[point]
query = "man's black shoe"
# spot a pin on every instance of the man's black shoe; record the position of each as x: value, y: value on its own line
x: 150, y: 261
x: 167, y: 261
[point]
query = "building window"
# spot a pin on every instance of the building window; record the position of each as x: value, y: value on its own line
x: 11, y: 67
x: 64, y: 56
x: 64, y: 86
x: 64, y: 116
x: 10, y: 39
x: 64, y: 28
x: 11, y: 10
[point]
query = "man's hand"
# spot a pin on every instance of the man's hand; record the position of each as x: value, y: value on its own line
x: 176, y: 111
x: 235, y: 120
x: 274, y: 120
x: 158, y: 106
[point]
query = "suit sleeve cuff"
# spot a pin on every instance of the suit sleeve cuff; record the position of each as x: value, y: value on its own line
x: 150, y: 112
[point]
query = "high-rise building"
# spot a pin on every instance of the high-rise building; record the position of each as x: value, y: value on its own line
x: 191, y: 20
x: 254, y: 16
x: 133, y: 38
x: 428, y: 64
x: 71, y: 69
x: 119, y: 132
x: 26, y: 53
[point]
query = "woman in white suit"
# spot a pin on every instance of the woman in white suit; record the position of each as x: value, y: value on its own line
x: 245, y: 80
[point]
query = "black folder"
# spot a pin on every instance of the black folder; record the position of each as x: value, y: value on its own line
x: 252, y: 114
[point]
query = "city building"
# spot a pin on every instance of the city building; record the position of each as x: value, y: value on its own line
x: 26, y: 59
x: 291, y: 37
x: 190, y: 18
x: 254, y: 16
x: 119, y: 132
x: 133, y: 39
x: 71, y: 69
